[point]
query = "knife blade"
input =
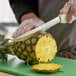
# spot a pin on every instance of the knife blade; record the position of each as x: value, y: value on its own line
x: 43, y: 27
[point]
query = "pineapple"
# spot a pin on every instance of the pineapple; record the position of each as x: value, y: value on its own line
x: 4, y: 48
x: 46, y: 67
x: 40, y: 47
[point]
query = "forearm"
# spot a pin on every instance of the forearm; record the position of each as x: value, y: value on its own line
x: 28, y: 16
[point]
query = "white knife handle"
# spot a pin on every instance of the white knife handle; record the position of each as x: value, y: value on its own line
x: 63, y: 18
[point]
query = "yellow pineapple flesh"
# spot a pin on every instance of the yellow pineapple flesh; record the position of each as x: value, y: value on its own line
x: 46, y: 48
x: 46, y: 67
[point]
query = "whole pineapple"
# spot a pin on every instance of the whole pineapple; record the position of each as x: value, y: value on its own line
x: 40, y: 47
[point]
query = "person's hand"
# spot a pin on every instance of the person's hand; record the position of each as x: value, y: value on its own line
x: 69, y: 9
x: 26, y: 26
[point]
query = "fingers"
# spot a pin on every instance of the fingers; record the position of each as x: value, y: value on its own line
x: 73, y: 9
x: 16, y: 33
x: 69, y: 9
x: 27, y: 26
x: 40, y: 23
x: 71, y: 13
x: 66, y: 8
x: 23, y: 29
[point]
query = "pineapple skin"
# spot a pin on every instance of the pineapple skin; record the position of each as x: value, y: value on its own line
x: 26, y: 49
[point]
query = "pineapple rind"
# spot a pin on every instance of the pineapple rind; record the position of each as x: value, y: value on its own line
x: 26, y: 49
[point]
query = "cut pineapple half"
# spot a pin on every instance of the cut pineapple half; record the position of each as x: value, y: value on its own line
x: 46, y: 67
x: 46, y: 48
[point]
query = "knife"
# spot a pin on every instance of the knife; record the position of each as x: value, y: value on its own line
x: 44, y: 27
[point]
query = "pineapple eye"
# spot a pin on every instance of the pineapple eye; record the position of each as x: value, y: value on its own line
x: 46, y: 35
x: 38, y: 58
x: 48, y: 60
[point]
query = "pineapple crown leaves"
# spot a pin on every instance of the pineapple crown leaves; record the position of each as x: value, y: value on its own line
x: 4, y: 48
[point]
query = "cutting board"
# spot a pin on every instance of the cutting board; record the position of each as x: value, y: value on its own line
x: 19, y: 68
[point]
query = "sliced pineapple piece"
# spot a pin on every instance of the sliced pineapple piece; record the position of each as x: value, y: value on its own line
x: 46, y: 48
x: 46, y: 67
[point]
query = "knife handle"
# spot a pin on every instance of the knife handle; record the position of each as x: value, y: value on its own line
x: 63, y: 18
